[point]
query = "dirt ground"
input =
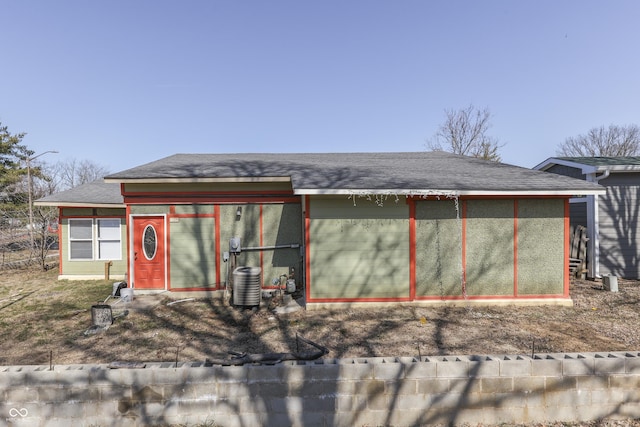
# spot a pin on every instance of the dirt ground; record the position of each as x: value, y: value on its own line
x: 43, y: 320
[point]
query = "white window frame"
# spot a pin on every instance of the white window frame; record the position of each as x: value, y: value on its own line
x: 96, y: 240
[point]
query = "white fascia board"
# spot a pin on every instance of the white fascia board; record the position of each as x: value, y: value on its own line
x: 198, y: 180
x: 620, y: 168
x: 445, y: 193
x: 552, y: 161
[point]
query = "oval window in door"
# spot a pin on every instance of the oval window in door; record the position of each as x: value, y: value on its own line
x: 149, y: 242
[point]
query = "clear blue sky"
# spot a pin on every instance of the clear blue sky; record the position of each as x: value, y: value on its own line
x: 123, y: 82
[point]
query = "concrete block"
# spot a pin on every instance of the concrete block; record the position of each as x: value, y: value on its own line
x: 632, y: 365
x: 568, y: 398
x: 114, y: 392
x: 608, y: 364
x: 592, y: 382
x: 624, y: 381
x: 561, y: 413
x: 188, y: 391
x: 535, y: 400
x: 202, y: 407
x: 452, y: 367
x: 434, y: 386
x: 578, y: 365
x: 312, y: 419
x: 271, y: 389
x: 401, y: 387
x: 465, y: 385
x: 364, y: 418
x: 486, y: 366
x: 316, y: 389
x: 607, y: 396
x: 346, y: 403
x: 630, y: 409
x: 420, y: 370
x: 504, y: 415
x: 21, y: 395
x: 389, y: 371
x: 230, y: 374
x: 446, y: 400
x: 531, y: 384
x: 346, y: 387
x: 324, y: 372
x: 511, y: 366
x: 509, y: 399
x: 496, y: 385
x: 546, y: 366
x: 356, y: 371
x: 560, y: 384
x: 411, y: 402
x: 67, y: 410
x: 295, y: 373
x: 197, y: 375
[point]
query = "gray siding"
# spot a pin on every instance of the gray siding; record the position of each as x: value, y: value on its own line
x: 566, y: 171
x: 618, y: 222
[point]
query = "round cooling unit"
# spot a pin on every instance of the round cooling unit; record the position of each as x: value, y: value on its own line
x: 247, y: 286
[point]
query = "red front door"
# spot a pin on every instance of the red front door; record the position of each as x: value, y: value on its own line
x: 148, y: 252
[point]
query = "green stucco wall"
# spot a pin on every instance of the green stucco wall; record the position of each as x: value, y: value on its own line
x: 359, y: 251
x: 192, y: 258
x: 490, y: 247
x: 438, y: 248
x: 282, y: 225
x: 149, y: 209
x: 541, y: 258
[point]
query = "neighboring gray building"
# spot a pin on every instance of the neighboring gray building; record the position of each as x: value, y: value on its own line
x: 611, y: 219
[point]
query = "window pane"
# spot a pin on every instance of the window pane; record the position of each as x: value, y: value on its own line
x: 80, y: 228
x: 81, y: 250
x: 109, y: 229
x: 149, y: 243
x: 109, y: 250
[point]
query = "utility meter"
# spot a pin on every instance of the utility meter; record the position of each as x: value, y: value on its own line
x: 234, y: 245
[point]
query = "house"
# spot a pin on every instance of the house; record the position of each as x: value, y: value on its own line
x: 347, y: 227
x: 612, y: 219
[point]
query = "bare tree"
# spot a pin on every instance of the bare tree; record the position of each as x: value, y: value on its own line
x: 600, y: 141
x: 465, y: 132
x: 72, y: 173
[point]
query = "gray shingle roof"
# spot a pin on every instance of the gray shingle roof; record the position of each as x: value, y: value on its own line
x: 96, y: 193
x: 334, y: 172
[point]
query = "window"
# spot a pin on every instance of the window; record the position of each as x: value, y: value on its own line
x: 109, y: 239
x: 149, y: 245
x: 97, y: 239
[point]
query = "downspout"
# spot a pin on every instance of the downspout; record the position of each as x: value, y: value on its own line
x: 593, y: 227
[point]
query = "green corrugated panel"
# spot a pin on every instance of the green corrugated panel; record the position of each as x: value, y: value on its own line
x: 541, y: 263
x: 192, y: 253
x: 438, y: 249
x: 490, y: 247
x: 359, y: 251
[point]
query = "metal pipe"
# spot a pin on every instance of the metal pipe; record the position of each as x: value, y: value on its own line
x: 266, y: 248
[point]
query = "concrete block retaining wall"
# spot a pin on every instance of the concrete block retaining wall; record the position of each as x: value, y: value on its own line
x: 490, y: 389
